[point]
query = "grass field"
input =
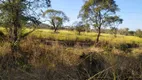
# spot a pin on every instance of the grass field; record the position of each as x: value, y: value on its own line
x: 117, y: 59
x: 85, y: 36
x: 66, y: 35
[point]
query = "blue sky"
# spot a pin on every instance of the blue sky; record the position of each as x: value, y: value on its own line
x: 130, y: 11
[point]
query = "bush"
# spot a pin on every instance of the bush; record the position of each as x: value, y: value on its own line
x: 138, y: 33
x: 126, y: 47
x: 80, y: 29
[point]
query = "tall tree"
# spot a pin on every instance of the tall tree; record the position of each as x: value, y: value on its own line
x: 113, y: 22
x: 55, y: 18
x: 16, y: 13
x: 96, y: 11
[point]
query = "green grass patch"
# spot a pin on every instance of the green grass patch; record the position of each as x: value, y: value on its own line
x: 85, y: 36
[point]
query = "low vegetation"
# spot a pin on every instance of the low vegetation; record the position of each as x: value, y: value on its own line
x: 45, y: 55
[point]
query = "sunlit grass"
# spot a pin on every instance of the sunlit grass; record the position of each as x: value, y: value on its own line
x: 73, y: 35
x: 85, y: 36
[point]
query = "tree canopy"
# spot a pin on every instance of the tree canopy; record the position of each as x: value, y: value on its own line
x: 95, y: 12
x: 16, y: 13
x: 56, y: 18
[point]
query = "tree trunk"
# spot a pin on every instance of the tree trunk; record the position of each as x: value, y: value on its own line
x: 54, y: 26
x: 115, y: 33
x: 14, y: 45
x: 79, y: 33
x: 99, y: 33
x: 55, y: 30
x: 16, y: 27
x: 99, y: 26
x: 16, y: 41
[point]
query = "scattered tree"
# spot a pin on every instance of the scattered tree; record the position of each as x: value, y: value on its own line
x: 56, y: 18
x: 113, y: 22
x: 96, y: 11
x: 131, y: 33
x: 138, y: 33
x: 124, y: 31
x: 16, y: 13
x: 80, y: 27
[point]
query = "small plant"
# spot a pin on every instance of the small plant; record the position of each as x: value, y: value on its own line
x: 126, y: 47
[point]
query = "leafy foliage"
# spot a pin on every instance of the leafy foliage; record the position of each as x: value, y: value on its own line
x: 56, y: 18
x: 16, y: 13
x: 113, y: 22
x: 79, y: 26
x: 96, y: 11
